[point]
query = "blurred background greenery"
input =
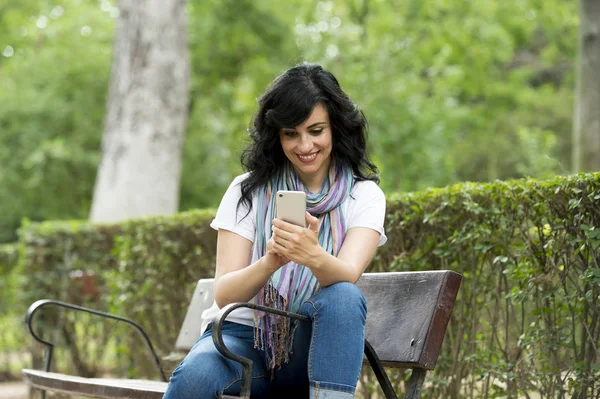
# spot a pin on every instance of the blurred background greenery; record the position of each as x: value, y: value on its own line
x: 454, y: 90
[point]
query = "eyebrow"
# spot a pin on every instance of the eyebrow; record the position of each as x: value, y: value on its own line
x: 308, y: 127
x: 316, y: 124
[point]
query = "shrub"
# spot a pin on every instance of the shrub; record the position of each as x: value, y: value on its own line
x: 526, y: 318
x: 143, y: 269
x: 11, y: 320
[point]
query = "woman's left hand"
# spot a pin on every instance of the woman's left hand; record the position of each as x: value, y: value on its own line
x: 296, y: 243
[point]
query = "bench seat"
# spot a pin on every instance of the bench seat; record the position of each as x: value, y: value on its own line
x: 95, y: 387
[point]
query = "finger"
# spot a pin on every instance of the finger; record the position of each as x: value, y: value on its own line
x: 281, y: 241
x: 282, y: 251
x: 282, y: 233
x: 272, y: 249
x: 312, y: 222
x: 285, y: 226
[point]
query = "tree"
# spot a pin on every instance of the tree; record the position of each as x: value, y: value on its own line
x: 452, y: 90
x: 146, y: 118
x: 586, y: 132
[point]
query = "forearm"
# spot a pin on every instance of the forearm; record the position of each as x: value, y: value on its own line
x: 330, y: 270
x: 241, y: 285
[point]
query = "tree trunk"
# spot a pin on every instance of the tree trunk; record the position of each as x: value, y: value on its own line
x: 586, y: 132
x: 139, y: 173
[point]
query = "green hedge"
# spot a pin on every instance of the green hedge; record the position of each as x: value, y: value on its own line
x: 8, y: 261
x: 527, y: 314
x: 526, y: 318
x: 9, y: 257
x: 12, y: 340
x: 142, y: 269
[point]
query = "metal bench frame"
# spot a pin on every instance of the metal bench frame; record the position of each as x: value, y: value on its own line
x: 416, y: 347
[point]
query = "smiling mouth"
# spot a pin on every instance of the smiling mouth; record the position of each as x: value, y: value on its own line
x: 308, y: 158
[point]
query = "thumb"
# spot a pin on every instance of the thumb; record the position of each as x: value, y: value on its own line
x: 312, y: 222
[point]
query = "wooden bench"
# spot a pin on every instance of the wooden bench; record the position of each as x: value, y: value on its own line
x: 408, y: 313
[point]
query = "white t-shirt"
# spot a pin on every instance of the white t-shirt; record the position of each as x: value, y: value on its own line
x: 364, y: 207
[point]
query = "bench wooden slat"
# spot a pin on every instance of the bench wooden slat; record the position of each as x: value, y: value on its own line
x: 190, y: 329
x: 95, y: 387
x: 408, y: 314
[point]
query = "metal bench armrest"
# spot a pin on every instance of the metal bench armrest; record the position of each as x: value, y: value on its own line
x: 217, y: 336
x: 50, y: 346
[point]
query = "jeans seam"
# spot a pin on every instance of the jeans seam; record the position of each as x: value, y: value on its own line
x: 236, y: 379
x: 334, y: 387
x: 315, y: 324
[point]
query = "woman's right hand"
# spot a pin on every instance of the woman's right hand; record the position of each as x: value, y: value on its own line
x: 273, y: 260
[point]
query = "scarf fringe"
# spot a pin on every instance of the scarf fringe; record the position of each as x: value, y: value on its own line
x: 274, y: 333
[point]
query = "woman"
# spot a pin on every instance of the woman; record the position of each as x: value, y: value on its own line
x: 307, y: 135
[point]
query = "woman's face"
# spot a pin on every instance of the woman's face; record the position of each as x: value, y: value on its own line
x: 308, y: 147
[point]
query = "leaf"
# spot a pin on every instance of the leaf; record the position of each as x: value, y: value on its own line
x: 501, y: 259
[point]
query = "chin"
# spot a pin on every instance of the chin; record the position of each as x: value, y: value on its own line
x: 309, y: 168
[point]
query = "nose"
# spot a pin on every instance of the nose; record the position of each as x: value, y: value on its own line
x: 306, y: 144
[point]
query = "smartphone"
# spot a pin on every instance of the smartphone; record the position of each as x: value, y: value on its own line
x: 291, y: 207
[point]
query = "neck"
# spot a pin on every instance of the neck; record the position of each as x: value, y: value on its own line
x: 314, y: 181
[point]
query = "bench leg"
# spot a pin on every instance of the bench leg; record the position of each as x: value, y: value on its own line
x: 32, y: 393
x: 413, y: 388
x: 377, y: 366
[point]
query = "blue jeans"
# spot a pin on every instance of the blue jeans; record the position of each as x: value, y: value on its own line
x: 325, y: 362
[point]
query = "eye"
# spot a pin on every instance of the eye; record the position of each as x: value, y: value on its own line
x: 289, y: 133
x: 316, y: 131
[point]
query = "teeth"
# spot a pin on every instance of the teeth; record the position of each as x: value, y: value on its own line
x: 307, y: 158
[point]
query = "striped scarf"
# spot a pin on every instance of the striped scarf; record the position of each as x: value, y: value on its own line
x: 292, y: 284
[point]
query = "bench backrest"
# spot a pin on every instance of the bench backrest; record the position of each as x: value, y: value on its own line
x: 407, y: 316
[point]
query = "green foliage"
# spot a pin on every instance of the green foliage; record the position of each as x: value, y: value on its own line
x: 527, y: 314
x: 454, y: 90
x: 12, y: 338
x: 52, y: 91
x: 8, y: 261
x: 525, y: 320
x: 142, y: 269
x: 8, y: 257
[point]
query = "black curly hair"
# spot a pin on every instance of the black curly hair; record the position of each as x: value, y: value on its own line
x: 288, y: 101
